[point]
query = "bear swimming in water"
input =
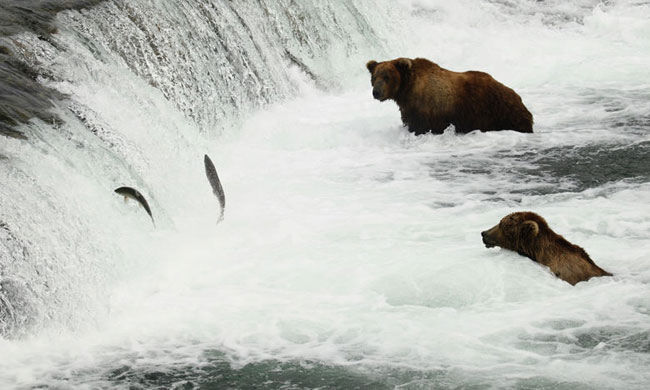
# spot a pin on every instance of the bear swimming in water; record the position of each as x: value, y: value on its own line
x: 529, y: 235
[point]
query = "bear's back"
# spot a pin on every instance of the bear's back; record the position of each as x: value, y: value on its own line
x: 568, y: 261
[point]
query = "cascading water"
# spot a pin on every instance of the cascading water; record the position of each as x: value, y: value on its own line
x: 145, y: 83
x: 350, y: 255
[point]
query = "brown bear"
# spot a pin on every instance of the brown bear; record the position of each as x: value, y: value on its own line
x: 529, y: 235
x: 430, y: 98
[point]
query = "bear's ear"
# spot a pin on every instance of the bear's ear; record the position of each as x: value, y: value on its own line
x: 403, y: 64
x: 371, y: 65
x: 530, y: 228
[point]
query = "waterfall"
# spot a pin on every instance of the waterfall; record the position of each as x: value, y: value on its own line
x: 120, y: 88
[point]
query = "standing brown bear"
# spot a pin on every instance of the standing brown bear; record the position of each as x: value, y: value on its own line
x: 431, y: 98
x: 529, y: 235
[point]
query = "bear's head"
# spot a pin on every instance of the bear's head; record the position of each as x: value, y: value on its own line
x: 387, y: 77
x: 517, y: 232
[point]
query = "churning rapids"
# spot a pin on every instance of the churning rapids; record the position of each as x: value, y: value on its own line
x: 350, y: 254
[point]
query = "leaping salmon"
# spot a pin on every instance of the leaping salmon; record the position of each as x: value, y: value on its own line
x: 134, y: 194
x: 217, y: 189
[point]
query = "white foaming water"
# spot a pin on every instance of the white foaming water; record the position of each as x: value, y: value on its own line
x: 349, y: 242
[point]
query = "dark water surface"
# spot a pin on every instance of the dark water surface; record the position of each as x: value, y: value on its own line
x: 551, y: 170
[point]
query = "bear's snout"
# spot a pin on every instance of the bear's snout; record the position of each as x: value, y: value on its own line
x: 489, y: 243
x: 379, y: 94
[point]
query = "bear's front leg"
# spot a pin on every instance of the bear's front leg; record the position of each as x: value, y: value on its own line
x: 423, y: 127
x: 421, y: 124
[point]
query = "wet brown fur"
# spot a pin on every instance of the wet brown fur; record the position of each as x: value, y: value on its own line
x: 430, y: 98
x: 529, y: 235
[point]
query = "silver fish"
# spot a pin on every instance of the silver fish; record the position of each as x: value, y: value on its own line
x: 134, y: 194
x: 213, y: 178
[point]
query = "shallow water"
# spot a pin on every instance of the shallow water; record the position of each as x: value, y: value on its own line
x: 350, y: 254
